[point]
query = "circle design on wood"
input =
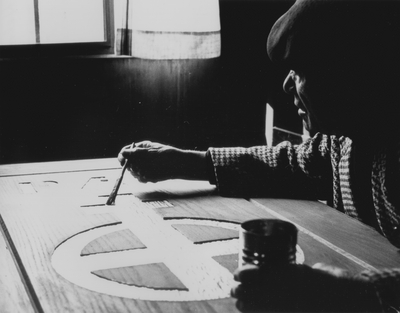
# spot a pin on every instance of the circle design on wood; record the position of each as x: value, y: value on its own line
x: 192, y: 264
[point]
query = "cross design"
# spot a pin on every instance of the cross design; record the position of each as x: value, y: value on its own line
x: 193, y: 264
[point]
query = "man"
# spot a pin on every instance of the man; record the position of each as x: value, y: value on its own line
x: 343, y: 62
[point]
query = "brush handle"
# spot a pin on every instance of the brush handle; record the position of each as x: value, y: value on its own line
x: 114, y: 192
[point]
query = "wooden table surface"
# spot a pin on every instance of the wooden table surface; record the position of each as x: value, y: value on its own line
x: 165, y: 247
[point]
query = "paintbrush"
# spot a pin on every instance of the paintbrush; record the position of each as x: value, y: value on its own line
x: 114, y: 192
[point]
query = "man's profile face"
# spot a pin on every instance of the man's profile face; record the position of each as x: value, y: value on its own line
x: 295, y: 84
x: 314, y: 102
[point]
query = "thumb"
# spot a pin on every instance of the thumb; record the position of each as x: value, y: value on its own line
x: 144, y: 144
x: 123, y: 155
x: 333, y: 270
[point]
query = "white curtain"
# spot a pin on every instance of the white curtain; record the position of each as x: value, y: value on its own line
x: 168, y: 29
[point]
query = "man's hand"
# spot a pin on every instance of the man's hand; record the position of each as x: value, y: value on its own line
x: 300, y: 288
x: 152, y: 162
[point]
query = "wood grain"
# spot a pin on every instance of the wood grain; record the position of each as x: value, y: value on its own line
x: 115, y: 241
x: 65, y: 202
x: 338, y: 229
x: 156, y: 276
x: 200, y: 234
x: 14, y: 297
x: 212, y: 207
x: 58, y: 167
x: 41, y: 221
x: 229, y: 261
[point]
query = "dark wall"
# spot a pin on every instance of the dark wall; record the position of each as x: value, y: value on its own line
x: 62, y: 108
x: 72, y: 108
x: 248, y: 79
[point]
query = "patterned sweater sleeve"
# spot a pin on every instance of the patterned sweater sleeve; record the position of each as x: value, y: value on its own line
x: 284, y: 170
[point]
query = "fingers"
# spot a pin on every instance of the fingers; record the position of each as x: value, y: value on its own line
x: 121, y: 157
x: 151, y: 162
x: 246, y: 291
x: 129, y: 152
x: 255, y: 274
x: 255, y: 298
x: 255, y: 284
x: 333, y: 270
x: 138, y: 164
x: 247, y: 273
x: 145, y: 144
x: 143, y: 162
x: 248, y: 296
x: 310, y: 289
x: 265, y: 287
x: 257, y: 306
x: 140, y: 177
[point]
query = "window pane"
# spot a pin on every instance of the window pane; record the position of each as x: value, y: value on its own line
x: 71, y: 21
x: 17, y: 22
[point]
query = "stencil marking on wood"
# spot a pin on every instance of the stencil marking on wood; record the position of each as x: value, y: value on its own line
x: 94, y: 179
x: 202, y: 234
x: 191, y: 264
x: 27, y: 188
x: 229, y: 261
x: 37, y: 186
x: 97, y: 184
x: 155, y: 276
x: 115, y: 241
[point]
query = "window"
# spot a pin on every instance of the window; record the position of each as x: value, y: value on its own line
x: 46, y: 27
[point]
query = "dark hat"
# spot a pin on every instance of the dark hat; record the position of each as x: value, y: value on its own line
x: 332, y: 32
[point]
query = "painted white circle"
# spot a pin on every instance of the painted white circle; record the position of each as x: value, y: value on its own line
x: 192, y: 264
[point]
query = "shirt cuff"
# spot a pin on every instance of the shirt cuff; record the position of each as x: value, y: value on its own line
x: 210, y: 169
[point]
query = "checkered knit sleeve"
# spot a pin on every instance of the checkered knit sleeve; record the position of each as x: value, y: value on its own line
x: 387, y: 286
x: 284, y: 170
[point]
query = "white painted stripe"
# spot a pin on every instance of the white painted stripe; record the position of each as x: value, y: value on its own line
x: 316, y: 237
x: 193, y: 265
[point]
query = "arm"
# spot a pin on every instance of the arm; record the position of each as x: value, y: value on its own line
x: 281, y: 171
x: 285, y: 170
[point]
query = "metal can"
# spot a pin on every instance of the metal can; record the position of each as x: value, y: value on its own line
x: 267, y: 242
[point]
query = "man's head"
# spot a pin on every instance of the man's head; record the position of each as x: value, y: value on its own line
x: 344, y: 58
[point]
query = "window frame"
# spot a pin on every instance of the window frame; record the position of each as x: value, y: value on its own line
x: 105, y: 47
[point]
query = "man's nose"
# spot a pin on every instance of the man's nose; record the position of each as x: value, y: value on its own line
x: 288, y: 83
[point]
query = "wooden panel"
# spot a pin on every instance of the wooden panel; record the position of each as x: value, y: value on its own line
x: 49, y: 216
x: 58, y: 167
x: 115, y: 241
x: 335, y: 230
x: 13, y: 293
x: 199, y: 234
x: 212, y: 207
x: 186, y: 234
x: 229, y: 261
x: 318, y: 247
x: 156, y: 276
